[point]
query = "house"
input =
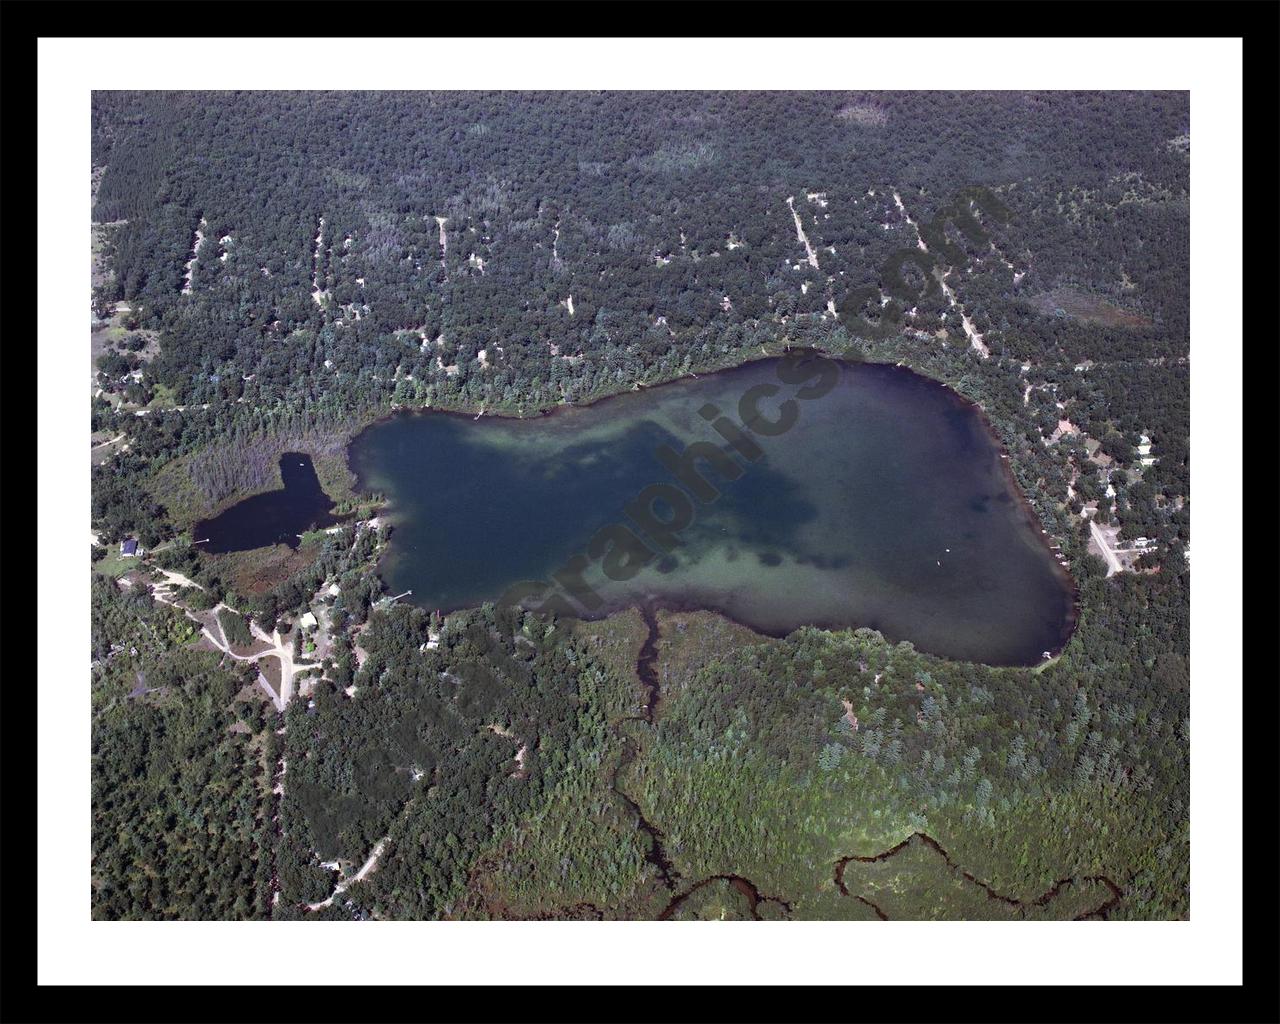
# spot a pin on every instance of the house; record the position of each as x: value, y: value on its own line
x: 307, y: 621
x: 129, y: 548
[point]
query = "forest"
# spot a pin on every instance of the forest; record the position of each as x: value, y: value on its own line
x: 467, y: 262
x: 181, y: 807
x: 295, y: 265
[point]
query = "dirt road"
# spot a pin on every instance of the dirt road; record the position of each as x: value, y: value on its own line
x: 359, y: 876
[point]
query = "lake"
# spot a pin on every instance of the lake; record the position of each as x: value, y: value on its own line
x: 817, y: 492
x: 275, y: 517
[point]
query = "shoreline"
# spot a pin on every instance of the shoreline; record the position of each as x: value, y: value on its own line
x: 1071, y: 590
x: 1028, y: 512
x: 672, y: 606
x: 473, y: 413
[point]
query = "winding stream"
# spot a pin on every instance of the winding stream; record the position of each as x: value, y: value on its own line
x: 1043, y: 899
x: 646, y: 670
x: 743, y: 885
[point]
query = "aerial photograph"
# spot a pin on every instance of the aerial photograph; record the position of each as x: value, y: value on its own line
x: 637, y: 506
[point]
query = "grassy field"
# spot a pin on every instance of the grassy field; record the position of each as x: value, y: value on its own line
x: 115, y: 564
x: 1087, y: 308
x: 164, y: 398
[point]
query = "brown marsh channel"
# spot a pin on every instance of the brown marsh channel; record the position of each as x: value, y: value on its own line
x: 786, y: 492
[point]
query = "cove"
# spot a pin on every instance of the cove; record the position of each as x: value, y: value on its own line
x: 885, y: 503
x: 276, y: 517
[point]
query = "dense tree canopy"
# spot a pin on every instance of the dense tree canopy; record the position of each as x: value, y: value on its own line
x: 295, y: 264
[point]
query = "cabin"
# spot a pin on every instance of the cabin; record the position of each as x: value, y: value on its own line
x: 129, y: 548
x: 307, y: 621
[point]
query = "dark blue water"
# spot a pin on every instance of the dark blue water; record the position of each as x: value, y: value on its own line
x: 884, y: 504
x: 276, y: 517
